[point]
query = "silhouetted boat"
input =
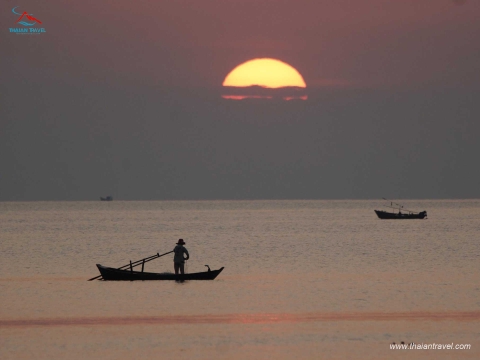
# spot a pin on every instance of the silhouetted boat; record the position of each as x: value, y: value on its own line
x: 385, y: 215
x: 405, y: 215
x: 129, y: 275
x: 108, y: 198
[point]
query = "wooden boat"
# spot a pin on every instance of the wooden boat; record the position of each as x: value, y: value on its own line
x: 405, y: 215
x: 130, y: 275
x: 384, y: 215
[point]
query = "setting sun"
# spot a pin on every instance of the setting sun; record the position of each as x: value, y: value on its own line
x: 268, y: 73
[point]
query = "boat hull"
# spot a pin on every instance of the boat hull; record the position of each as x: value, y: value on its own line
x: 112, y: 274
x: 384, y: 215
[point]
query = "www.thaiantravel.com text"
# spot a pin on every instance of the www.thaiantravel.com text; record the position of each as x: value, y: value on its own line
x: 433, y: 346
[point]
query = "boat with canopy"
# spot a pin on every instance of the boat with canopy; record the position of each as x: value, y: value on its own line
x: 402, y: 214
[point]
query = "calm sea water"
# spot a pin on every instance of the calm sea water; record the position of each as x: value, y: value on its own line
x: 302, y: 279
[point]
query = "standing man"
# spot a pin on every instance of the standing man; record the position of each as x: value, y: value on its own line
x: 179, y: 259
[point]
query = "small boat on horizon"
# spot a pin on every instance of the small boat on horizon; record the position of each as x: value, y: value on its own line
x: 405, y: 215
x: 108, y: 198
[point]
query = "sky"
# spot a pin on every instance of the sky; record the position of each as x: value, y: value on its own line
x: 123, y: 98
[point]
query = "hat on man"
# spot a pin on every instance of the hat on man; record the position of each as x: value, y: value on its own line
x: 180, y: 242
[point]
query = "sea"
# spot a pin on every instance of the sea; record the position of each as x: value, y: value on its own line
x: 303, y: 279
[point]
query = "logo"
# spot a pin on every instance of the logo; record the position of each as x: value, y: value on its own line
x: 28, y: 21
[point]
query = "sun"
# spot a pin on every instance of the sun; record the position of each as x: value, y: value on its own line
x: 267, y: 73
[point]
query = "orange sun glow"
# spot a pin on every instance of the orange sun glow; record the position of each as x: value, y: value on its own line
x: 269, y: 73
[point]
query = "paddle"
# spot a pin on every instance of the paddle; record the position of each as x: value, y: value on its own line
x: 136, y: 263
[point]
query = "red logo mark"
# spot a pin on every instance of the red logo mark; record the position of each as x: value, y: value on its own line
x: 29, y: 17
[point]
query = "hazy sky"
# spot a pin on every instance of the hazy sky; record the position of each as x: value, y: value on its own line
x: 123, y: 98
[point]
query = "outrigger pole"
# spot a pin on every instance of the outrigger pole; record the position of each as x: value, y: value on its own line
x: 392, y: 203
x: 131, y: 265
x: 398, y: 207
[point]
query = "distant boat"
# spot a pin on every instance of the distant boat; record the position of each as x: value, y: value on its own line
x: 405, y: 215
x: 108, y: 198
x: 385, y: 215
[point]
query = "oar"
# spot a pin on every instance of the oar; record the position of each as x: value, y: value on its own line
x: 136, y: 263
